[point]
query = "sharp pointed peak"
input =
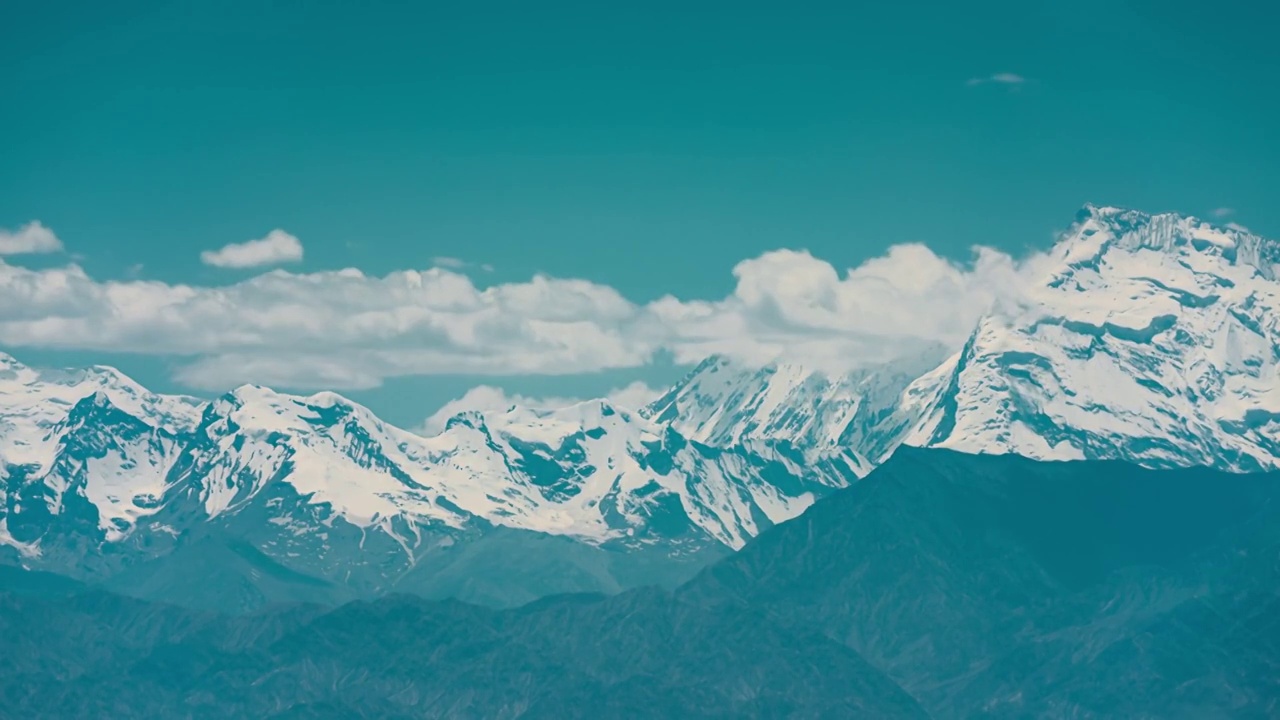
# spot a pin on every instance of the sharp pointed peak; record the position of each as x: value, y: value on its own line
x: 473, y: 419
x: 97, y: 397
x: 93, y: 404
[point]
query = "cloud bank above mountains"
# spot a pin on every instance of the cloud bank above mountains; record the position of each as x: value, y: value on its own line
x: 347, y: 330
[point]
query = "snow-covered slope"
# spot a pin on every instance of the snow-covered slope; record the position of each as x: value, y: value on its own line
x: 33, y: 403
x: 815, y: 414
x: 92, y: 460
x: 93, y: 437
x: 1149, y: 338
x: 591, y: 471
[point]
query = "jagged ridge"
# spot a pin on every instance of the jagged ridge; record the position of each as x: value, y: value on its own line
x: 320, y: 482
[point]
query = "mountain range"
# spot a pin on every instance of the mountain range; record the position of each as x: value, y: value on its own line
x: 943, y: 585
x: 104, y: 479
x: 1146, y: 338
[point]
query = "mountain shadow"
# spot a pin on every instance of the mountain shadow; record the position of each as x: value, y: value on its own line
x: 1001, y: 586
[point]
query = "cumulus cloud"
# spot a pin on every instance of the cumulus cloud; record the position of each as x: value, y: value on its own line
x: 634, y: 396
x: 30, y: 239
x: 347, y: 330
x: 790, y: 305
x: 1004, y: 78
x: 490, y: 400
x: 338, y: 329
x: 276, y: 248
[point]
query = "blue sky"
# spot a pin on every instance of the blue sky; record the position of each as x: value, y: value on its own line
x: 646, y: 148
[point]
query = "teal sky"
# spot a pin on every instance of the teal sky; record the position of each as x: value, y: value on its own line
x: 646, y: 146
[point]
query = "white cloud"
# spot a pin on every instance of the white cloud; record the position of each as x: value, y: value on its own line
x: 1004, y: 78
x: 788, y: 304
x: 1238, y: 227
x: 1223, y: 212
x: 346, y: 330
x: 453, y: 263
x: 30, y: 239
x: 490, y: 400
x: 338, y: 329
x: 277, y: 247
x: 634, y: 396
x: 487, y: 400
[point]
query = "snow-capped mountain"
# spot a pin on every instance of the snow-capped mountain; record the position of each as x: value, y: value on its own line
x: 790, y: 407
x: 318, y: 481
x: 590, y: 471
x: 1148, y: 338
x: 91, y: 437
x: 34, y: 403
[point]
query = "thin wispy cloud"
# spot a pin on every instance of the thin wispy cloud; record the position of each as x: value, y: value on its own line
x: 453, y: 263
x: 1004, y: 78
x: 1238, y: 227
x: 30, y: 239
x: 276, y: 248
x: 1223, y: 212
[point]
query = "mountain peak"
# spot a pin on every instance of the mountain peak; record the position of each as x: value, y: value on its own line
x: 252, y: 392
x: 327, y: 399
x: 96, y: 399
x: 1098, y: 229
x: 110, y: 374
x: 473, y: 419
x: 1152, y: 340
